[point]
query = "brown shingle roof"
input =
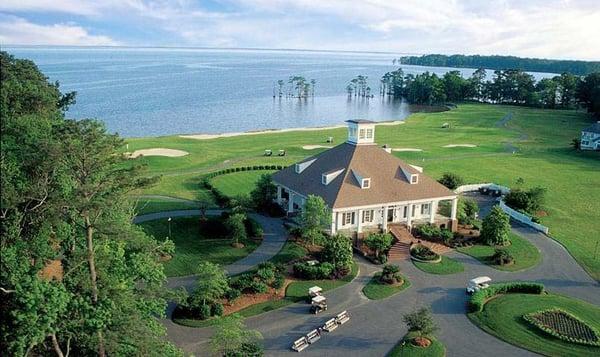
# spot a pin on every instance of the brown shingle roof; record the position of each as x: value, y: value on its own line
x: 388, y: 182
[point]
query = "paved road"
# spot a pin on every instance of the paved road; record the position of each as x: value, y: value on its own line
x: 376, y: 326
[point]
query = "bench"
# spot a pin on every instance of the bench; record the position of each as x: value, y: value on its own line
x: 330, y: 325
x: 300, y: 344
x: 313, y: 336
x: 342, y: 317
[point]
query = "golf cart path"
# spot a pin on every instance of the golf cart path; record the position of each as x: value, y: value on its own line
x: 376, y: 326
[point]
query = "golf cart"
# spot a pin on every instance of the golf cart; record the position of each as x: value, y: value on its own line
x: 318, y: 304
x: 314, y: 291
x: 479, y: 283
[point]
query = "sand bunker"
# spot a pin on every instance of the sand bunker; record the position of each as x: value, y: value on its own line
x: 406, y: 149
x: 158, y: 152
x: 312, y: 147
x: 460, y: 146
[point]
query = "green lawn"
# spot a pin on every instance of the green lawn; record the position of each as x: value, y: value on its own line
x: 502, y: 317
x: 526, y: 254
x: 375, y: 290
x: 405, y: 349
x: 193, y: 246
x: 290, y: 251
x: 238, y: 183
x: 444, y: 267
x: 544, y: 158
x: 145, y: 205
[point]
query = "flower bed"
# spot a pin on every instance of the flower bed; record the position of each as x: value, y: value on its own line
x: 421, y: 253
x: 564, y: 326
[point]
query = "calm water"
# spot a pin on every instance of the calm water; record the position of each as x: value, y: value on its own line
x: 150, y: 92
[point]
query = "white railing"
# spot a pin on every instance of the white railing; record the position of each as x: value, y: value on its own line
x: 514, y: 214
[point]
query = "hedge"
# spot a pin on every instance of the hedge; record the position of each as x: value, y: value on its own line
x: 480, y: 297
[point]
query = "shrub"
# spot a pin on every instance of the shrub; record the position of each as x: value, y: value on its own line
x: 313, y: 272
x: 446, y: 235
x: 267, y: 265
x: 266, y: 275
x: 420, y: 321
x: 217, y: 309
x: 338, y: 251
x: 502, y: 257
x: 529, y: 201
x: 278, y: 281
x: 564, y: 326
x: 233, y: 294
x: 423, y: 253
x: 451, y: 180
x: 248, y: 349
x: 496, y: 227
x: 203, y: 312
x: 428, y: 231
x: 390, y: 274
x: 258, y: 287
x: 480, y: 297
x: 253, y: 228
x: 242, y: 282
x: 379, y: 242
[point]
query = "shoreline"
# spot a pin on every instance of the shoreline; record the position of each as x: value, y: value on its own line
x: 276, y: 131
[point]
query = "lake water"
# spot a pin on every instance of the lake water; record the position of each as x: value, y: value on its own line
x: 151, y: 92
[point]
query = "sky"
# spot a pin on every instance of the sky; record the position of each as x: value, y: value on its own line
x: 565, y: 29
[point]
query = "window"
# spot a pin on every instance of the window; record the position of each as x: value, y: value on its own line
x: 324, y: 179
x: 352, y: 132
x: 414, y: 208
x: 585, y: 142
x: 414, y: 179
x: 367, y: 216
x: 369, y: 133
x: 297, y: 168
x: 347, y: 218
x: 366, y: 183
x: 361, y: 134
x: 405, y: 215
x: 425, y: 208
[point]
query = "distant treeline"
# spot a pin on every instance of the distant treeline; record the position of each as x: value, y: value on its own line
x: 504, y: 62
x: 505, y: 87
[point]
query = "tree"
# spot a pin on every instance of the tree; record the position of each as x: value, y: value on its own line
x: 236, y: 227
x: 232, y: 337
x: 420, y: 321
x: 211, y: 284
x: 588, y: 93
x: 529, y: 201
x: 314, y: 218
x: 467, y: 210
x: 455, y: 86
x: 379, y: 242
x: 451, y: 180
x: 264, y: 193
x: 65, y: 200
x: 338, y: 251
x: 496, y: 227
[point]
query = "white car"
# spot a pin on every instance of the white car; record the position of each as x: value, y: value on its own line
x: 479, y: 283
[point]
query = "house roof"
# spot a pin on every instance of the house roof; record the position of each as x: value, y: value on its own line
x: 388, y: 182
x: 595, y: 128
x: 360, y: 121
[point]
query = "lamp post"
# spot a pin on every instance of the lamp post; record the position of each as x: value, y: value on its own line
x: 169, y: 220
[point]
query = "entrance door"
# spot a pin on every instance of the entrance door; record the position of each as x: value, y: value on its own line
x: 390, y: 216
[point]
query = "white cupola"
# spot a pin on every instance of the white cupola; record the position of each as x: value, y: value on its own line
x: 361, y: 132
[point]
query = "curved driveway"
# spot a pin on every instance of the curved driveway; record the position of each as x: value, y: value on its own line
x: 376, y: 326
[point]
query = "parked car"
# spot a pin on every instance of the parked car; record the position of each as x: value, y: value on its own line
x: 479, y: 283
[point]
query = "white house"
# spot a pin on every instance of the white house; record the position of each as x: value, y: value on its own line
x: 365, y: 186
x: 590, y: 137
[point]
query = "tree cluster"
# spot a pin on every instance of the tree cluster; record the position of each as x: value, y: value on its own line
x: 504, y: 62
x: 77, y: 277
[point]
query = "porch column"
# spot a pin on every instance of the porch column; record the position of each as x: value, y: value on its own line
x: 385, y: 214
x: 337, y: 221
x: 409, y: 215
x: 333, y: 223
x: 433, y: 209
x: 279, y: 195
x: 454, y: 208
x: 359, y: 222
x: 291, y: 202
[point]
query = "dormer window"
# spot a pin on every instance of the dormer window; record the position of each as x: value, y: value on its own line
x: 329, y: 176
x: 366, y: 183
x: 414, y: 179
x: 301, y: 166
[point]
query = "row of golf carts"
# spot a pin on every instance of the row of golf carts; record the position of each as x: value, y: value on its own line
x: 318, y: 303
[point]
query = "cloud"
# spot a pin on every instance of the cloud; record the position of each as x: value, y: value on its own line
x: 541, y: 28
x: 15, y: 30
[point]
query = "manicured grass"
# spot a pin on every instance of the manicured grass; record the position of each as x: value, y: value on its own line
x: 238, y: 183
x: 152, y: 205
x: 544, y: 158
x: 444, y: 267
x: 502, y: 317
x: 376, y: 290
x: 298, y: 290
x: 526, y: 254
x: 405, y: 349
x: 290, y: 251
x: 193, y: 245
